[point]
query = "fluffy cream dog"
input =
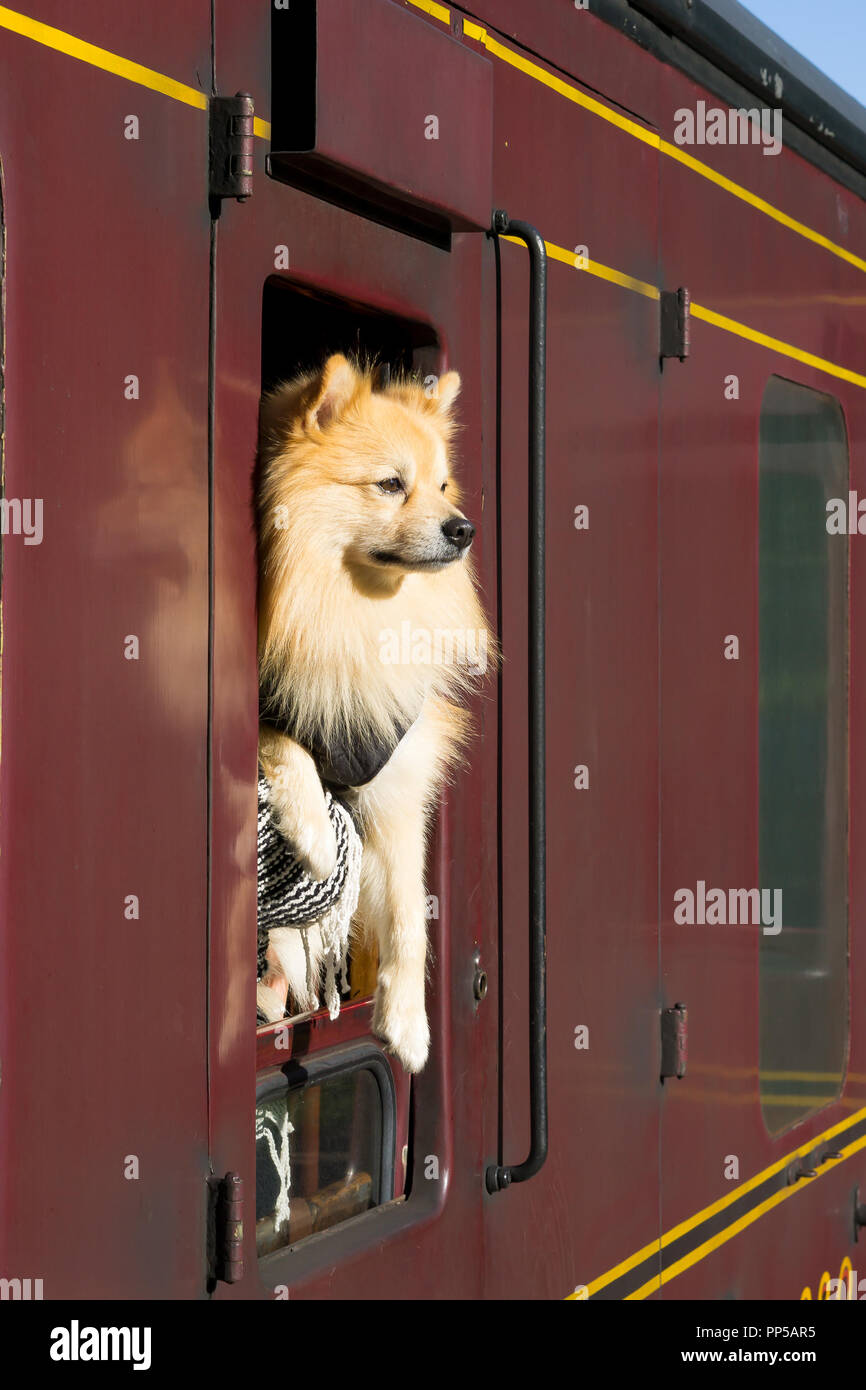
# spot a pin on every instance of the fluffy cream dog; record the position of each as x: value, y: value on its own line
x: 369, y: 629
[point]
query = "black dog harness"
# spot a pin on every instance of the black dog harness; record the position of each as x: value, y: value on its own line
x: 340, y: 765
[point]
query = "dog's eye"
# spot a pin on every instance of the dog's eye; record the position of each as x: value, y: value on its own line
x: 443, y: 487
x: 391, y: 485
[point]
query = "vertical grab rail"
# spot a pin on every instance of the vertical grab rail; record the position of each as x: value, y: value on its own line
x: 500, y: 1176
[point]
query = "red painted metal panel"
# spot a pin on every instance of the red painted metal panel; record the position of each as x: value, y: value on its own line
x: 424, y: 138
x: 747, y: 267
x: 138, y: 33
x: 566, y: 40
x: 103, y: 774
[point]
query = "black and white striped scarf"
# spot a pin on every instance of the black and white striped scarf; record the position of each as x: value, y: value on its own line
x: 288, y: 897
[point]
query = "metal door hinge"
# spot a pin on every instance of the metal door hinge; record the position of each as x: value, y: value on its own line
x: 227, y: 1224
x: 675, y: 324
x: 231, y: 147
x: 674, y: 1041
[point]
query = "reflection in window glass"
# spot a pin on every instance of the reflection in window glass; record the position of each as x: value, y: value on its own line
x: 318, y: 1157
x: 803, y: 751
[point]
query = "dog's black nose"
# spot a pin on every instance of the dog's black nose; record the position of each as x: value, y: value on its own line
x: 459, y: 531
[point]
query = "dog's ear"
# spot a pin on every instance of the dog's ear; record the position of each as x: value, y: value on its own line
x: 380, y: 377
x: 330, y: 392
x: 446, y: 393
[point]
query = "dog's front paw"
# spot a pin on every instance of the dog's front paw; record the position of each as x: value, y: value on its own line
x: 309, y: 831
x: 404, y: 1030
x: 271, y: 998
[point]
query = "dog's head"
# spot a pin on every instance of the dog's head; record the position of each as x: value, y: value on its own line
x: 364, y: 473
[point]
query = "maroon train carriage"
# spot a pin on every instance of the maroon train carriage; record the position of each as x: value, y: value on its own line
x: 195, y: 207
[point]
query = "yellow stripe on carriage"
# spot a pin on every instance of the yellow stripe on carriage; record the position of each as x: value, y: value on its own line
x: 97, y: 57
x: 713, y: 1243
x: 63, y: 42
x: 431, y: 7
x: 706, y: 1213
x: 650, y: 137
x: 699, y: 311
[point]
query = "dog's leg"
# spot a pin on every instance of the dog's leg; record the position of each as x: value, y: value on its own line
x: 393, y: 902
x: 298, y: 802
x: 272, y: 989
x: 271, y: 993
x: 294, y: 968
x: 392, y: 905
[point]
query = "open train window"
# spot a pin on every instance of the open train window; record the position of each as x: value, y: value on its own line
x: 332, y: 1127
x: 325, y: 1141
x: 803, y: 752
x: 301, y: 328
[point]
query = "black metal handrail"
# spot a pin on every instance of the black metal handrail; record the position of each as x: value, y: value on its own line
x: 498, y: 1175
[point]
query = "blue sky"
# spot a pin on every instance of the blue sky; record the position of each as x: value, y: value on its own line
x: 830, y: 33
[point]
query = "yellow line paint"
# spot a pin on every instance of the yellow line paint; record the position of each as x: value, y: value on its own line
x: 591, y: 267
x: 618, y: 1270
x: 699, y: 311
x: 776, y: 344
x: 705, y: 1213
x: 701, y: 1251
x: 650, y: 137
x: 430, y: 7
x: 738, y: 191
x: 834, y: 1076
x: 97, y: 57
x: 563, y: 88
x: 100, y: 58
x: 814, y: 1101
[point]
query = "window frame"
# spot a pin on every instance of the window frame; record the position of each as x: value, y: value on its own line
x: 766, y: 1092
x: 313, y: 1070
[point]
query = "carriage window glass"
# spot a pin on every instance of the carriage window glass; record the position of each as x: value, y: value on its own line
x: 802, y: 752
x: 319, y: 1156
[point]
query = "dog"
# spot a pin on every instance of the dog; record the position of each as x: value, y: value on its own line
x: 371, y: 632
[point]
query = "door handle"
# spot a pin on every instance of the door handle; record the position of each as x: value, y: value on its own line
x: 500, y: 1176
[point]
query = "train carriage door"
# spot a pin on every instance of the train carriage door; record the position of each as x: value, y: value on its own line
x: 103, y: 629
x: 588, y: 1219
x: 754, y: 445
x: 362, y: 231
